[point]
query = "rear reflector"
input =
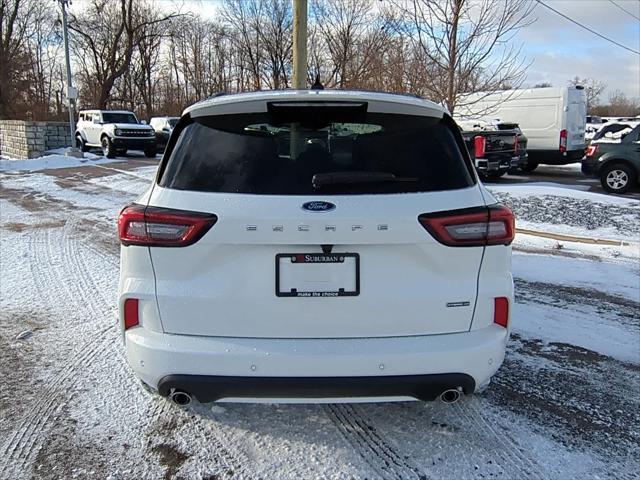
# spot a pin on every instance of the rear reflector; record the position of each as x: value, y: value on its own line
x: 501, y: 311
x: 592, y: 150
x: 473, y: 227
x: 131, y: 313
x: 162, y: 227
x: 479, y: 144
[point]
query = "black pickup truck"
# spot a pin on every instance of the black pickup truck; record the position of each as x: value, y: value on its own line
x: 496, y: 149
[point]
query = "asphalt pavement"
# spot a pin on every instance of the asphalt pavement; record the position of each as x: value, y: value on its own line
x: 568, y: 176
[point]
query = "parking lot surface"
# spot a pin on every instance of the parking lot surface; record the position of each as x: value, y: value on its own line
x: 565, y: 403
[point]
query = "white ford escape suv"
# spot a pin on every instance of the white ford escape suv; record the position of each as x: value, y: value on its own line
x: 315, y: 245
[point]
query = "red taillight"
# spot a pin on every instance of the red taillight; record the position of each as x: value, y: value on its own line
x: 131, y: 313
x: 516, y: 147
x: 563, y: 141
x: 479, y: 144
x: 475, y: 227
x: 592, y: 150
x: 162, y: 227
x: 501, y: 311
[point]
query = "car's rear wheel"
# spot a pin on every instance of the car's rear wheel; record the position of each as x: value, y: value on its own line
x: 497, y: 174
x: 108, y: 149
x: 80, y: 144
x: 529, y: 166
x: 618, y: 177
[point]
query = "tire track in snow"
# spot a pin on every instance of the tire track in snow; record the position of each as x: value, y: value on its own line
x: 374, y: 450
x: 21, y: 448
x: 58, y: 261
x: 513, y: 461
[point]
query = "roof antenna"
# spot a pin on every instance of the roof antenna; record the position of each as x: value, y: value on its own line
x: 317, y: 85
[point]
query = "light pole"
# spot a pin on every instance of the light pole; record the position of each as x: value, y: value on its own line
x: 72, y: 93
x: 299, y: 65
x: 299, y: 44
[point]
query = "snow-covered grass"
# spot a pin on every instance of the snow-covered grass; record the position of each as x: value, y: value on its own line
x: 572, y: 212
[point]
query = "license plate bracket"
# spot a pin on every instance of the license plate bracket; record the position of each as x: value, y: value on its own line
x: 317, y: 275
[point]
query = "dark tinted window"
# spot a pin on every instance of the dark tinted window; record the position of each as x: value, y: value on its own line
x: 370, y: 153
x: 110, y: 117
x: 173, y: 122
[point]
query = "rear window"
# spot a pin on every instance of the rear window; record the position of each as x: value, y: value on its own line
x: 313, y: 153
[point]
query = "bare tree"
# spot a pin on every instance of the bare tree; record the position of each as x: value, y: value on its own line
x: 468, y: 42
x: 592, y: 87
x: 354, y: 38
x: 243, y: 17
x: 16, y: 62
x: 107, y: 35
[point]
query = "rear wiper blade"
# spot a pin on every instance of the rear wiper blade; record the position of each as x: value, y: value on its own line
x: 336, y: 178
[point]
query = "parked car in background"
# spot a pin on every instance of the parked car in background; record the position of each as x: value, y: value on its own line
x: 163, y: 127
x: 318, y: 245
x: 496, y: 147
x: 553, y: 119
x: 614, y: 129
x: 615, y: 159
x: 115, y: 131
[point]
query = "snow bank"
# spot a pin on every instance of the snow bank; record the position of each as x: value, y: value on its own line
x: 56, y: 160
x: 571, y: 212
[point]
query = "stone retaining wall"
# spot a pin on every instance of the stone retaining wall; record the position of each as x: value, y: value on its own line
x: 22, y: 139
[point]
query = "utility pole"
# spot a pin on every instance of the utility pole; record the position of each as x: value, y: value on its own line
x: 72, y: 93
x: 299, y: 44
x: 299, y: 65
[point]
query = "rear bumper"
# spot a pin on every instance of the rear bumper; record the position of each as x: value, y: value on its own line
x: 497, y: 164
x: 590, y: 166
x: 386, y: 368
x: 421, y: 387
x: 555, y: 157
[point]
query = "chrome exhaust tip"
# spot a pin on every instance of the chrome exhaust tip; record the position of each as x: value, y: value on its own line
x: 180, y: 398
x: 450, y: 396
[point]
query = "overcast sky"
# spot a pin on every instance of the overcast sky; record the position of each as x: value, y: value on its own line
x: 561, y: 50
x: 558, y: 49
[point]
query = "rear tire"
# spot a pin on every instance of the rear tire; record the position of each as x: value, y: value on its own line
x: 529, y: 166
x: 618, y: 177
x: 497, y: 174
x: 151, y: 152
x: 108, y: 149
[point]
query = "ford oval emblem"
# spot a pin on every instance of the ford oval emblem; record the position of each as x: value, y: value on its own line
x: 318, y: 206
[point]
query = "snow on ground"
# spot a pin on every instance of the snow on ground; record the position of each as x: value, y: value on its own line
x: 568, y: 211
x: 52, y: 161
x: 564, y: 404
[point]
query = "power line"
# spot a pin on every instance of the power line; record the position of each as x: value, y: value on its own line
x: 587, y: 28
x: 624, y: 10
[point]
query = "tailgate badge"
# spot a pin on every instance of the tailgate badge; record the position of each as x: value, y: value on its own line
x: 458, y: 304
x: 318, y: 206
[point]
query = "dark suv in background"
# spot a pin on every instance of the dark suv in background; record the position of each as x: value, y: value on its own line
x: 615, y: 162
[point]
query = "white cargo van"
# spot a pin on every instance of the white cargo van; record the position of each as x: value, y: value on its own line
x: 553, y: 119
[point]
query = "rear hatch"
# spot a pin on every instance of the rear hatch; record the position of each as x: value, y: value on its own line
x: 576, y: 119
x: 317, y: 232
